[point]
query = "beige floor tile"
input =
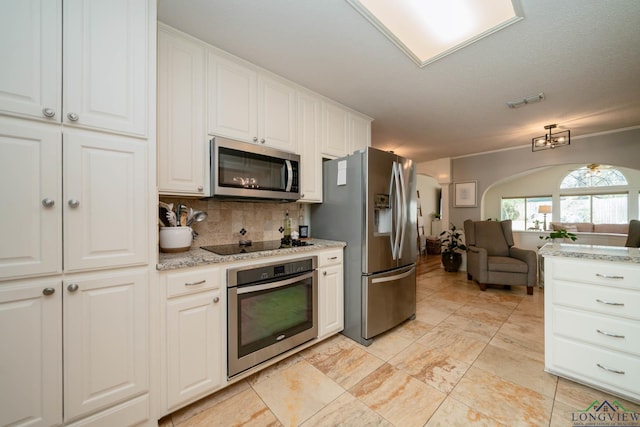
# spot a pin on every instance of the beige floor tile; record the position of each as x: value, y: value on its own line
x: 579, y: 397
x: 387, y: 345
x: 518, y: 369
x: 453, y: 342
x: 244, y: 409
x: 413, y: 329
x: 509, y: 403
x: 430, y: 366
x: 470, y: 327
x: 343, y: 361
x: 453, y: 413
x: 297, y: 392
x: 346, y: 411
x: 208, y: 402
x: 441, y: 304
x: 482, y: 315
x: 398, y: 397
x: 273, y: 370
x: 430, y: 315
x: 562, y: 415
x: 531, y: 349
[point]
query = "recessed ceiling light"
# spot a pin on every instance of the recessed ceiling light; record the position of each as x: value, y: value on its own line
x: 427, y: 30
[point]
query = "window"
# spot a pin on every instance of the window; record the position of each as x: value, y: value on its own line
x: 590, y: 206
x: 524, y: 212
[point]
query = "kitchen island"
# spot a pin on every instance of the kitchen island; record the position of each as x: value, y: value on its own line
x: 592, y: 316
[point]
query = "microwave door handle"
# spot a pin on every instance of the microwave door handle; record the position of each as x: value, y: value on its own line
x: 289, y: 175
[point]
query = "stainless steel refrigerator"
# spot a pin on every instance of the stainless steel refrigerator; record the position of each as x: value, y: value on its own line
x: 370, y: 201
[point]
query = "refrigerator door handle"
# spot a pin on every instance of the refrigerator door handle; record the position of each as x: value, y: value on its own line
x: 398, y: 209
x: 392, y: 190
x: 393, y: 278
x: 403, y: 209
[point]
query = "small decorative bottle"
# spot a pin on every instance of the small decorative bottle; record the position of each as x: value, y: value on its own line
x: 287, y: 225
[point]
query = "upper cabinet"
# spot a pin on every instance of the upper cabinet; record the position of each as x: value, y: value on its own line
x: 359, y: 132
x: 343, y: 131
x: 99, y: 82
x: 249, y: 105
x: 309, y: 132
x: 182, y: 137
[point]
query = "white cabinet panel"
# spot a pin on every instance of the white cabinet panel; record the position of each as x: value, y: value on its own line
x: 360, y: 129
x: 31, y: 194
x: 104, y: 208
x: 105, y: 340
x: 309, y: 116
x: 232, y: 99
x: 31, y: 368
x: 105, y: 64
x: 335, y: 136
x: 276, y: 114
x: 330, y: 293
x: 182, y: 139
x: 31, y: 34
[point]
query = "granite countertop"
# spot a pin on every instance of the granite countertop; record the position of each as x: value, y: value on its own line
x: 197, y: 257
x: 593, y: 252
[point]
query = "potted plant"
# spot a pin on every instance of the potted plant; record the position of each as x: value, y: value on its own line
x: 452, y: 246
x: 560, y: 234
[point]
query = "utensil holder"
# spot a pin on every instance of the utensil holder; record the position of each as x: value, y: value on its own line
x: 175, y: 239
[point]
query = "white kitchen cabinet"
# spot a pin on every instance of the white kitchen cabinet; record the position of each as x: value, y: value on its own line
x: 592, y: 322
x: 31, y: 31
x: 105, y: 323
x: 105, y: 216
x: 330, y: 293
x: 99, y: 81
x: 360, y: 132
x: 195, y: 334
x: 183, y: 145
x: 31, y: 190
x: 309, y: 122
x: 31, y: 337
x: 335, y: 131
x: 248, y: 105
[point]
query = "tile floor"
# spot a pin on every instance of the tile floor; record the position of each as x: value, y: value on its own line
x: 470, y: 358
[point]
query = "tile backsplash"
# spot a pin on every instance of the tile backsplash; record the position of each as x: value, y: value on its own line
x: 225, y: 219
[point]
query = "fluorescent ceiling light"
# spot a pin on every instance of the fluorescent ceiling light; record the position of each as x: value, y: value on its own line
x: 427, y: 30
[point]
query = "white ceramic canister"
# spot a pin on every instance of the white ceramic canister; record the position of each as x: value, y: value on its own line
x: 175, y: 239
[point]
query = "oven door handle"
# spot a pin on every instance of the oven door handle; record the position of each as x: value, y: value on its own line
x: 271, y: 285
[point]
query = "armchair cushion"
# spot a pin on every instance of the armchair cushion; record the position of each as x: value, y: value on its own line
x: 506, y: 264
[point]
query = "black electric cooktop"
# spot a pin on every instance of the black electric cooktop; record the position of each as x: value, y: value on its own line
x: 269, y: 245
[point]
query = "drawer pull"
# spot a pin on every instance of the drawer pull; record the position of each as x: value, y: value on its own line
x: 615, y: 371
x: 609, y: 302
x: 606, y: 276
x: 196, y: 283
x: 334, y: 257
x: 609, y: 334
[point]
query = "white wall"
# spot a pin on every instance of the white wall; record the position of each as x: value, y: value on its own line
x: 429, y: 190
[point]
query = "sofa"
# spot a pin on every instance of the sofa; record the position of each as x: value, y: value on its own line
x: 589, y: 227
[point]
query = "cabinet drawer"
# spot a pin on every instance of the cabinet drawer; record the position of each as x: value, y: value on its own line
x: 614, y: 333
x: 597, y: 272
x: 602, y: 299
x: 190, y: 281
x: 330, y: 258
x: 596, y: 365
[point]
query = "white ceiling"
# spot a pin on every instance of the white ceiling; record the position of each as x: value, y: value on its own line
x: 583, y: 54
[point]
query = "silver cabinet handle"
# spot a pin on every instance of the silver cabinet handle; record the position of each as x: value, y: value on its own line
x: 609, y: 334
x: 216, y: 300
x: 48, y: 112
x: 606, y: 276
x: 48, y: 203
x: 74, y: 203
x: 609, y: 302
x: 334, y: 257
x: 324, y: 273
x: 73, y: 117
x: 72, y: 287
x: 255, y: 139
x: 48, y: 291
x: 200, y: 188
x: 262, y: 141
x: 195, y: 283
x: 615, y: 371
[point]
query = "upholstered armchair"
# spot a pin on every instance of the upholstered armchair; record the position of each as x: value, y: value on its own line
x: 492, y: 258
x: 633, y: 238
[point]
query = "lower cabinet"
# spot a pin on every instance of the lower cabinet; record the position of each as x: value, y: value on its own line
x: 330, y: 293
x: 91, y: 327
x: 194, y: 336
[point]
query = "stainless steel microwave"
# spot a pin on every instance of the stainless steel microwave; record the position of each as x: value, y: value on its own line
x: 241, y: 170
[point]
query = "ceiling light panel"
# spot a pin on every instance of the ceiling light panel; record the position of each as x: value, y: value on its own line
x: 427, y: 30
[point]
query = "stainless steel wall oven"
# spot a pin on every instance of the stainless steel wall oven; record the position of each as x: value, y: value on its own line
x: 272, y: 308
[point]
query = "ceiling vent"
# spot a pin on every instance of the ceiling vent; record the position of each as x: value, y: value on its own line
x: 531, y: 99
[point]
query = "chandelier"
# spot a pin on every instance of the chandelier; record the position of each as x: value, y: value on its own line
x: 551, y: 140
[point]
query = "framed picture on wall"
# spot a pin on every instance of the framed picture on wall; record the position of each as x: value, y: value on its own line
x: 465, y: 194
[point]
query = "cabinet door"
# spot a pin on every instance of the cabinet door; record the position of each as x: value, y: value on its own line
x: 360, y: 129
x: 105, y: 65
x: 182, y: 139
x: 31, y: 31
x: 276, y: 114
x: 31, y: 194
x: 105, y: 340
x: 309, y: 116
x: 31, y: 368
x: 335, y: 135
x: 232, y: 99
x: 330, y: 300
x: 105, y: 211
x: 194, y: 346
